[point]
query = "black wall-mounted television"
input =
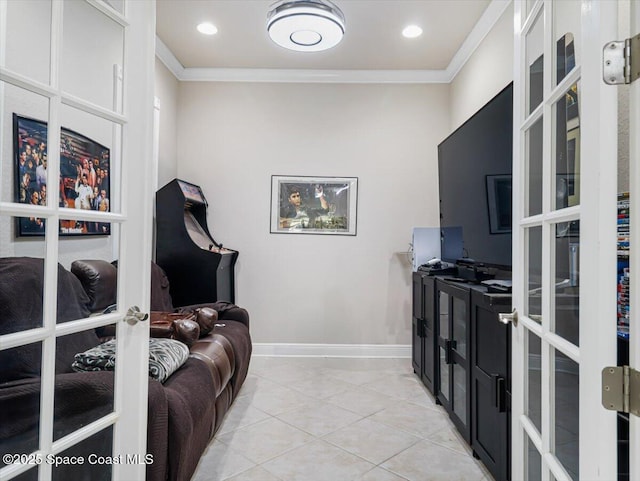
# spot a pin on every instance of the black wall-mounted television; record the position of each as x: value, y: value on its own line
x: 474, y: 178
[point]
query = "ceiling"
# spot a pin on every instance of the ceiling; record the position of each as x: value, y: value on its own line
x: 373, y: 39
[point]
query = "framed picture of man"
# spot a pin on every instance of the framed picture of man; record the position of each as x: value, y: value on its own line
x: 314, y: 205
x: 84, y: 177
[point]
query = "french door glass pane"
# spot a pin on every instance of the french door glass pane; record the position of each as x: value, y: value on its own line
x: 96, y: 450
x: 533, y: 141
x: 460, y: 326
x: 28, y: 30
x: 567, y: 281
x: 90, y: 148
x: 567, y: 34
x: 20, y: 139
x: 20, y: 370
x: 534, y: 387
x: 18, y: 315
x: 534, y: 61
x: 92, y: 44
x: 567, y: 412
x: 534, y: 462
x: 567, y: 145
x: 534, y: 273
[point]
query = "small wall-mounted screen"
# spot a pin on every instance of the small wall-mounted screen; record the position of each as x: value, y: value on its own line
x: 191, y: 192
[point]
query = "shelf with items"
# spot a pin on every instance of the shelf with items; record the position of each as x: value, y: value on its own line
x: 623, y: 325
x: 623, y: 265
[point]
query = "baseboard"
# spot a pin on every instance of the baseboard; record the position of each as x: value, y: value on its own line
x: 332, y: 350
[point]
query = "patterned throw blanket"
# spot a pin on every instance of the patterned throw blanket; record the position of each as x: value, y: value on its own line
x: 165, y: 357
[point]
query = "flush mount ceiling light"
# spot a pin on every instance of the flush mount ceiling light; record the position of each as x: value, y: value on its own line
x: 305, y: 25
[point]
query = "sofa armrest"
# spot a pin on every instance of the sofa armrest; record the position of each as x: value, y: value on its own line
x: 226, y: 311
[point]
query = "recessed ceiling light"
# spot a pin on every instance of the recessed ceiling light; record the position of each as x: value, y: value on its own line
x: 207, y: 28
x: 412, y: 31
x: 305, y: 25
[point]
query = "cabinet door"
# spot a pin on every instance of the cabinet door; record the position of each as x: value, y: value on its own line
x: 453, y: 353
x: 443, y: 357
x: 459, y: 316
x: 428, y: 340
x: 490, y: 406
x: 417, y: 324
x: 416, y: 346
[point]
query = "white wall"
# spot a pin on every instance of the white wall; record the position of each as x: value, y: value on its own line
x: 167, y: 92
x: 487, y: 72
x: 316, y: 288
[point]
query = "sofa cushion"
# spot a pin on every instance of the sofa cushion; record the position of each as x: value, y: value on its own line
x: 99, y: 280
x: 165, y: 357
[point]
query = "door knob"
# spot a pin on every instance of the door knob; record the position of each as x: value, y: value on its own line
x: 510, y: 317
x: 134, y: 315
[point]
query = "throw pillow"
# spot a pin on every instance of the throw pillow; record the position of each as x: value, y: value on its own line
x: 165, y: 357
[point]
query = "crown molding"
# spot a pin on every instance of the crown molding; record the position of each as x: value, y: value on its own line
x: 481, y: 29
x: 312, y: 76
x: 168, y: 59
x: 488, y: 19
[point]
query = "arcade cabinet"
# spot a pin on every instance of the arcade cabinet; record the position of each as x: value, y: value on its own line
x: 199, y: 268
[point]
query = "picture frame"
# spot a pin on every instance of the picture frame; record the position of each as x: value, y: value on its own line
x: 499, y: 203
x: 314, y: 205
x: 80, y: 158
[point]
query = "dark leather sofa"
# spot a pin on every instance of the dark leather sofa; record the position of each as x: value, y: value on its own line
x: 183, y: 413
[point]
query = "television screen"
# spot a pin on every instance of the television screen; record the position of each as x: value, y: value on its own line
x: 474, y: 173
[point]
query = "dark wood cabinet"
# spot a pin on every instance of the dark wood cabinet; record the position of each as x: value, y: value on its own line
x: 453, y: 307
x: 491, y: 382
x: 423, y: 342
x: 462, y: 353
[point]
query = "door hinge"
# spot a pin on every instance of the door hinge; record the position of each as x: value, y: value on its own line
x: 621, y: 389
x: 621, y: 61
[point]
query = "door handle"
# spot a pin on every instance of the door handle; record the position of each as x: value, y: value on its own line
x: 509, y: 317
x: 498, y: 392
x: 134, y: 315
x: 448, y: 351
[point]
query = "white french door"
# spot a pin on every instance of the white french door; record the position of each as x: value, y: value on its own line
x: 76, y: 85
x: 564, y: 241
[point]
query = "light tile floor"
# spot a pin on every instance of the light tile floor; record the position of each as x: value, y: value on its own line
x: 336, y: 419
